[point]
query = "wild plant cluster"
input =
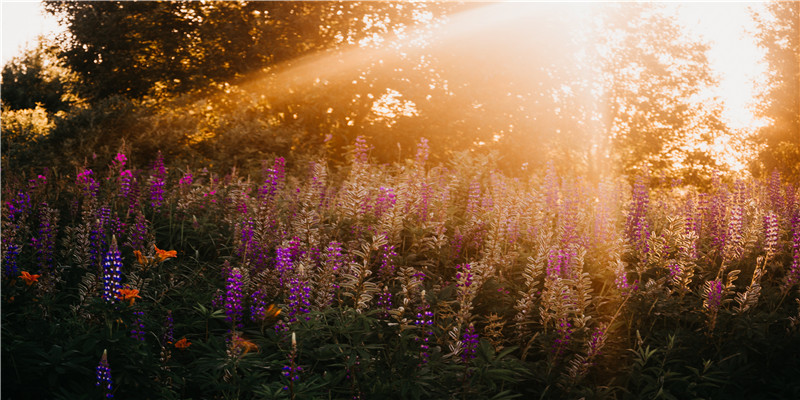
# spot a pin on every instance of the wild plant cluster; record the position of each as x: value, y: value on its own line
x: 395, y: 281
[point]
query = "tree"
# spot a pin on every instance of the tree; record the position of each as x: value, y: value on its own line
x: 779, y: 35
x: 653, y: 76
x: 140, y: 48
x: 38, y: 77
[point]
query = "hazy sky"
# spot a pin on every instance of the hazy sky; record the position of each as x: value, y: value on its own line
x: 23, y: 21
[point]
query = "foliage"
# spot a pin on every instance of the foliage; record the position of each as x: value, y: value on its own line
x: 411, y: 280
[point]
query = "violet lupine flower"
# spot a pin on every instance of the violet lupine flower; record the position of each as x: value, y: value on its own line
x: 713, y: 295
x: 564, y: 336
x: 44, y: 244
x: 274, y: 180
x: 474, y: 199
x: 283, y: 264
x: 233, y: 298
x: 425, y: 192
x: 637, y: 228
x: 361, y: 150
x: 733, y: 236
x: 112, y: 268
x: 470, y: 344
x: 157, y: 182
x: 775, y: 190
x: 770, y: 233
x: 385, y: 201
x: 138, y: 232
x: 424, y: 321
x: 169, y: 329
x: 386, y: 269
x: 559, y: 263
x: 595, y: 345
x: 299, y: 299
x: 621, y: 279
x: 292, y: 370
x: 793, y: 275
x: 10, y: 254
x: 125, y: 182
x: 104, y: 376
x: 258, y: 306
x: 19, y: 206
x: 384, y: 302
x: 464, y: 277
x: 137, y: 331
x: 87, y: 183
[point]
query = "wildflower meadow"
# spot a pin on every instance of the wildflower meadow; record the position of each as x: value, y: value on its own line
x: 411, y: 280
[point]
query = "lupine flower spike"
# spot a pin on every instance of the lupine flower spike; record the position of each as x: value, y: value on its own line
x: 104, y: 376
x: 112, y: 268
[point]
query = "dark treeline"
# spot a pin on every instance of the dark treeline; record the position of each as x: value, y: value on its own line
x: 235, y: 82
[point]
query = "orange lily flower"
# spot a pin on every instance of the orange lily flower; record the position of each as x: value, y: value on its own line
x: 182, y: 344
x: 28, y: 278
x: 244, y: 344
x: 272, y: 311
x: 164, y: 254
x: 140, y: 258
x: 129, y: 294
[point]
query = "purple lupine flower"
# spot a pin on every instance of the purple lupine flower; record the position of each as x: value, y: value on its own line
x: 125, y: 183
x: 386, y: 269
x: 299, y: 299
x: 713, y: 295
x: 157, y: 182
x: 273, y: 181
x: 292, y: 371
x: 637, y: 228
x: 559, y: 263
x: 87, y: 183
x: 793, y: 275
x: 424, y: 321
x: 470, y: 342
x: 104, y: 376
x: 44, y: 244
x: 361, y: 150
x: 464, y: 277
x: 112, y: 268
x: 385, y: 201
x: 137, y: 331
x: 138, y: 232
x: 621, y: 279
x: 563, y: 336
x: 169, y: 329
x: 283, y: 264
x: 775, y: 190
x: 474, y: 199
x: 258, y: 306
x: 425, y: 192
x: 233, y: 298
x: 770, y: 233
x: 10, y: 254
x: 595, y: 345
x: 384, y: 302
